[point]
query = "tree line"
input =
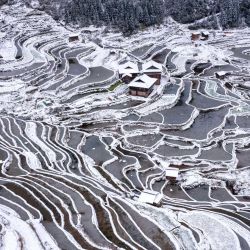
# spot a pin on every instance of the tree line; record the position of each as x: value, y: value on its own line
x: 131, y: 15
x: 127, y: 15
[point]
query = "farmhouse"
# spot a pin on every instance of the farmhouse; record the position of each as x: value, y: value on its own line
x: 128, y: 71
x: 172, y: 173
x: 153, y: 69
x: 74, y: 38
x: 195, y: 36
x: 151, y: 197
x: 142, y: 86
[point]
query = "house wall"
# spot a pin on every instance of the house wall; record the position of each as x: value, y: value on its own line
x: 171, y: 178
x: 195, y: 37
x: 140, y: 92
x: 133, y: 92
x: 72, y: 39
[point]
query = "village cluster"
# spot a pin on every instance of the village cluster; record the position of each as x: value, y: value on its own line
x: 141, y: 77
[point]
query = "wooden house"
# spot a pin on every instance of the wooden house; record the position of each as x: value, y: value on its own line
x: 153, y: 69
x: 74, y: 38
x: 195, y: 36
x: 151, y: 197
x: 128, y: 71
x: 142, y: 86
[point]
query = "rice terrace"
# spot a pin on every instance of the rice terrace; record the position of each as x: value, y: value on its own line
x: 113, y: 141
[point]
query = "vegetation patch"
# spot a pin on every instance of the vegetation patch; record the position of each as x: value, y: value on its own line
x: 114, y: 86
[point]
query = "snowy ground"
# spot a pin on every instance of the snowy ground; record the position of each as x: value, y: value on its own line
x: 76, y: 150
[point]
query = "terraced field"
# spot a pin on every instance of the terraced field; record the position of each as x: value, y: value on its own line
x: 76, y: 150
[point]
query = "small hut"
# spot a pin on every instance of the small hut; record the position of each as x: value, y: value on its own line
x: 195, y: 36
x: 172, y: 173
x: 151, y: 197
x: 74, y: 38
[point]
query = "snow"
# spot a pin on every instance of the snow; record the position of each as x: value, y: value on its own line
x: 7, y: 87
x: 46, y: 239
x: 206, y: 33
x: 196, y: 33
x: 35, y: 4
x: 221, y: 73
x: 17, y: 101
x: 16, y: 228
x: 8, y: 50
x: 10, y: 240
x: 74, y: 34
x: 172, y: 172
x: 204, y: 53
x: 157, y: 67
x: 213, y: 229
x: 191, y: 179
x: 32, y: 160
x: 143, y: 81
x: 128, y: 68
x: 97, y: 58
x: 151, y: 197
x: 167, y: 220
x: 126, y: 74
x: 240, y: 179
x: 165, y: 101
x: 32, y: 134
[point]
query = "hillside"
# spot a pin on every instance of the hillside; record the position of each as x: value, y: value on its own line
x: 130, y: 16
x: 113, y: 142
